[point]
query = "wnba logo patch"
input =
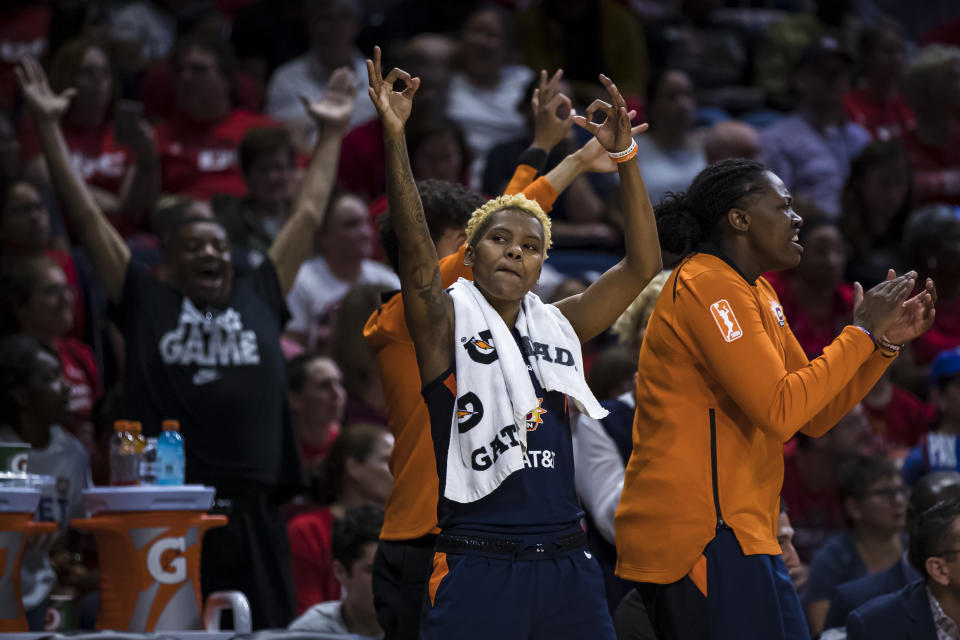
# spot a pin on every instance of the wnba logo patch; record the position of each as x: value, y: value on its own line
x: 726, y: 321
x: 481, y: 348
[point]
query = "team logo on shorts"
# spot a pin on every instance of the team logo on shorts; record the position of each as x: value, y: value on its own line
x: 469, y: 411
x: 535, y: 417
x: 726, y: 321
x: 481, y: 348
x: 778, y: 312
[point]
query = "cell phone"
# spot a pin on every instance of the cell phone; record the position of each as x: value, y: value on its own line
x: 126, y: 119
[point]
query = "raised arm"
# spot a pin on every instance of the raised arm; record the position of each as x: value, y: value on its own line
x: 106, y: 249
x: 594, y: 310
x: 427, y: 308
x: 332, y: 113
x: 552, y: 120
x: 777, y: 400
x: 590, y: 158
x: 142, y: 183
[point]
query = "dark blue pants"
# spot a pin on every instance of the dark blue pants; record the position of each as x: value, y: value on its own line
x: 492, y: 597
x: 748, y: 598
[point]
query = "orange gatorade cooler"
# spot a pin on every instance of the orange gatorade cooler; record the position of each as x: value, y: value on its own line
x: 148, y: 542
x: 17, y: 507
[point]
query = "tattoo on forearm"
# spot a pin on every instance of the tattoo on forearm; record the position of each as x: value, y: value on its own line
x: 419, y: 271
x: 402, y: 192
x: 426, y: 283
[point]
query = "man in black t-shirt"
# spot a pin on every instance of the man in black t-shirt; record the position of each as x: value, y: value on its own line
x: 204, y: 348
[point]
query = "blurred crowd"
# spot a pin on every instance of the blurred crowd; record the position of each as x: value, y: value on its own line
x: 187, y: 110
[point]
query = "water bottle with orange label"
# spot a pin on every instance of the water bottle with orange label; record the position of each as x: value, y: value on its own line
x: 124, y: 461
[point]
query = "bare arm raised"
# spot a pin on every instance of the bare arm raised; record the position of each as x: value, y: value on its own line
x: 594, y: 310
x: 331, y: 115
x: 108, y: 253
x: 428, y: 309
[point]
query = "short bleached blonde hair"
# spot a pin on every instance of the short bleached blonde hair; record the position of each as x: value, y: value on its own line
x: 478, y: 219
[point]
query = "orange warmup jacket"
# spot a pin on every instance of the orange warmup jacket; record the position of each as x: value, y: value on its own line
x: 411, y: 510
x: 722, y: 384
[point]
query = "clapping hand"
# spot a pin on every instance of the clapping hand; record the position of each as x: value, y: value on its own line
x: 40, y: 98
x: 914, y: 316
x: 552, y: 112
x: 335, y: 108
x: 614, y: 132
x: 884, y: 307
x: 393, y: 106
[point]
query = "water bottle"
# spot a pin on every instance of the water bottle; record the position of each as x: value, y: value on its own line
x: 139, y: 442
x: 124, y: 463
x: 170, y: 455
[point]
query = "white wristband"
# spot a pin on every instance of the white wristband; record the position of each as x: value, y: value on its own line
x: 623, y: 154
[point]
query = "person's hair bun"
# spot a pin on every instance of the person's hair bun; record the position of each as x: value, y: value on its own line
x: 677, y: 226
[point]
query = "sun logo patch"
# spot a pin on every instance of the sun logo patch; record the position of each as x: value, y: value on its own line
x: 778, y: 312
x: 726, y: 321
x: 535, y: 417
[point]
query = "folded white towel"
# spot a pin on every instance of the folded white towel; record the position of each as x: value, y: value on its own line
x: 495, y: 396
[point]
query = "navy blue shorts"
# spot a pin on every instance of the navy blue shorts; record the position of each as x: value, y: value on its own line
x: 748, y: 598
x: 482, y: 596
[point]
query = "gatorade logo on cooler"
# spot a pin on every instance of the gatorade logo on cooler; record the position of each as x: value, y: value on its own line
x: 164, y: 561
x: 18, y: 463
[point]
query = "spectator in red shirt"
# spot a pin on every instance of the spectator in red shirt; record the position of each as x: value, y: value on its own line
x: 317, y: 399
x: 40, y: 302
x: 354, y: 474
x: 932, y: 86
x: 876, y: 203
x: 897, y: 416
x: 198, y: 145
x: 362, y: 168
x: 24, y: 27
x: 25, y: 232
x: 875, y: 103
x: 931, y: 242
x: 809, y: 481
x: 815, y: 300
x: 117, y: 160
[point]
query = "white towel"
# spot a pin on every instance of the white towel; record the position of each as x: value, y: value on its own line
x: 495, y: 397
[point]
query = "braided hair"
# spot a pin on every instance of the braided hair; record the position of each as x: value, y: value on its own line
x: 686, y: 220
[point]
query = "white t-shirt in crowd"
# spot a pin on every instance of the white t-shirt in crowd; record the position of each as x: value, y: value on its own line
x: 668, y: 169
x: 316, y: 295
x: 489, y: 117
x: 326, y: 618
x: 305, y: 75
